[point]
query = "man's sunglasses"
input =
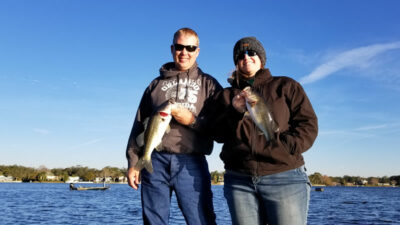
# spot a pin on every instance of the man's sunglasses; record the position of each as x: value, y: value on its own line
x: 247, y: 52
x: 189, y: 48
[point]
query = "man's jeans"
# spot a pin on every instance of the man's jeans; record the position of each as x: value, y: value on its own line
x: 277, y: 199
x: 189, y: 177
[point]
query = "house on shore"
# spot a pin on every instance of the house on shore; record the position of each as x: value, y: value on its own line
x: 6, y: 179
x: 72, y: 179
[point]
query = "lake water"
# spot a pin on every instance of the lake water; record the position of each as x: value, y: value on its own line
x: 36, y: 203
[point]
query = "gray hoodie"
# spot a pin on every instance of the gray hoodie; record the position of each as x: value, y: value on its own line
x: 191, y: 89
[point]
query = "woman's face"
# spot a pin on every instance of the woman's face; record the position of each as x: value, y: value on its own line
x: 249, y: 63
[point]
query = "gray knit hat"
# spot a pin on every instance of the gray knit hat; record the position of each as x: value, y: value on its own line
x: 249, y: 43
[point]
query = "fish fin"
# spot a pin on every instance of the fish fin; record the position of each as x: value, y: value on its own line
x: 275, y: 127
x: 140, y: 137
x: 168, y: 129
x: 146, y: 122
x: 140, y: 140
x: 268, y: 137
x: 143, y: 163
x: 265, y: 134
x: 159, y: 147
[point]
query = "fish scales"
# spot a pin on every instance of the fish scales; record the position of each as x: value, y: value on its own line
x: 260, y: 113
x: 156, y: 127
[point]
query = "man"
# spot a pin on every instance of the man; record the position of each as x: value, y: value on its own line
x: 180, y: 166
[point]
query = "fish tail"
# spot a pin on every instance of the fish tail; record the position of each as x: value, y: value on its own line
x: 267, y: 137
x: 144, y: 163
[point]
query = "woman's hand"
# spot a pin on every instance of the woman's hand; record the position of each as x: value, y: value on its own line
x: 239, y: 103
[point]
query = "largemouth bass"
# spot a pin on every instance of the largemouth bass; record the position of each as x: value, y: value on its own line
x: 260, y: 113
x: 155, y: 128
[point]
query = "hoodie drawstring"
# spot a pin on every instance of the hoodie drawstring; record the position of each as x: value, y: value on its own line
x: 186, y: 88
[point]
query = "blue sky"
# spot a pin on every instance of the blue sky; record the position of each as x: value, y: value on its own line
x: 72, y: 74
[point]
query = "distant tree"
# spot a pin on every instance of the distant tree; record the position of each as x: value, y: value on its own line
x: 57, y: 171
x: 349, y: 179
x: 64, y: 177
x: 214, y: 176
x: 42, y: 168
x: 327, y: 180
x: 373, y: 181
x: 41, y: 176
x: 384, y: 179
x: 89, y: 175
x: 2, y: 170
x: 316, y: 178
x: 336, y: 180
x: 16, y: 171
x: 395, y: 180
x: 106, y: 172
x: 123, y: 171
x: 358, y: 180
x: 343, y: 181
x: 76, y: 170
x: 29, y: 174
x: 112, y: 172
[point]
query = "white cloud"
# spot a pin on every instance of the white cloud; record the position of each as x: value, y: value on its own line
x: 358, y: 57
x: 87, y: 143
x: 41, y: 131
x: 368, y: 128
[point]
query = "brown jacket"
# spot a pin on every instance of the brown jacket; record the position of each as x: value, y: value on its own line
x: 244, y: 150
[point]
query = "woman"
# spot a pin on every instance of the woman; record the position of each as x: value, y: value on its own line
x: 265, y: 179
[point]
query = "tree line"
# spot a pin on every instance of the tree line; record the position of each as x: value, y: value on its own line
x: 319, y: 179
x: 41, y: 174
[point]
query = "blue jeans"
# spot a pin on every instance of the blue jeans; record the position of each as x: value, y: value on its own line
x: 186, y: 175
x: 277, y: 199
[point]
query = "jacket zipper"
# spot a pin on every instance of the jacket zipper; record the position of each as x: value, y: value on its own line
x: 253, y: 150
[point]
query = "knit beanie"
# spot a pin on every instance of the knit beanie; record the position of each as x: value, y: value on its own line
x: 249, y: 43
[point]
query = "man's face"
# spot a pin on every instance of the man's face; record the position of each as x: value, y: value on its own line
x: 183, y: 58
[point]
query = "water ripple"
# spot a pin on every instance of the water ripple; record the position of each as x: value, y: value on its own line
x: 27, y: 203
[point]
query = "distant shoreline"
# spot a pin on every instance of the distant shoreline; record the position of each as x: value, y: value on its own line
x: 212, y: 184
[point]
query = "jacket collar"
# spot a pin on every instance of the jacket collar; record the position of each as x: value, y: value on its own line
x: 263, y: 75
x: 169, y: 70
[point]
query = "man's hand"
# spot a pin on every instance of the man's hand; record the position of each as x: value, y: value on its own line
x: 183, y: 115
x: 133, y: 178
x: 239, y: 103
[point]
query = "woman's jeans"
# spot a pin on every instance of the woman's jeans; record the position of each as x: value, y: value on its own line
x: 277, y: 199
x: 185, y: 174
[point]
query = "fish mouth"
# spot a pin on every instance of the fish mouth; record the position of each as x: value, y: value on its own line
x: 163, y: 114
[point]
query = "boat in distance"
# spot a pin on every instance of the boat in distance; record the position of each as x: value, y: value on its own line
x: 72, y: 187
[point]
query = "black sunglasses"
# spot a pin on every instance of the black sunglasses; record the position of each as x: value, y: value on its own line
x: 247, y: 52
x: 189, y: 48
